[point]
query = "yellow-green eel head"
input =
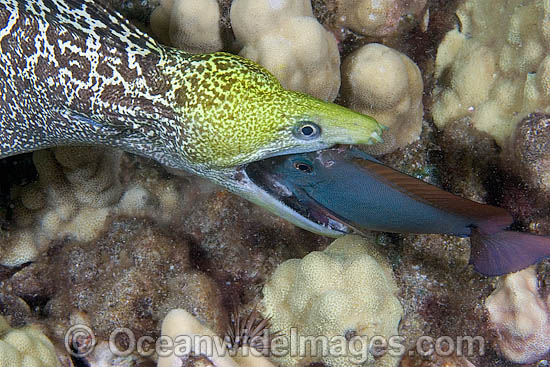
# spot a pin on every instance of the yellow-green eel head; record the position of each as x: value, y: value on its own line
x: 236, y: 112
x: 243, y: 114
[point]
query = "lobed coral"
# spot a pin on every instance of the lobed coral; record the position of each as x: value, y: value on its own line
x: 494, y: 68
x: 385, y: 84
x: 346, y: 292
x: 25, y: 347
x: 78, y: 190
x: 377, y: 18
x: 76, y: 186
x: 192, y: 25
x: 285, y: 38
x: 520, y: 317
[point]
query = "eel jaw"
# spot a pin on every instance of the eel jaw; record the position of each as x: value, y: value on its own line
x: 270, y: 192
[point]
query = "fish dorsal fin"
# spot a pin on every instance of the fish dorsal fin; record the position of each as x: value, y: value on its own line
x: 489, y: 217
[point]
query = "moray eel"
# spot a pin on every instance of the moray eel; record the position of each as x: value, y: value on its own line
x: 349, y: 190
x: 74, y: 73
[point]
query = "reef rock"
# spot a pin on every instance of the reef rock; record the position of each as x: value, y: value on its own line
x: 129, y: 277
x: 529, y: 150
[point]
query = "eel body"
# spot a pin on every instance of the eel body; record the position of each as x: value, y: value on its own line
x: 73, y: 72
x: 68, y: 79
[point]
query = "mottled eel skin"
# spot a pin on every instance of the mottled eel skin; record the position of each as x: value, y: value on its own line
x: 72, y: 72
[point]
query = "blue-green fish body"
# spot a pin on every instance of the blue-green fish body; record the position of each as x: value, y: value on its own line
x: 341, y: 188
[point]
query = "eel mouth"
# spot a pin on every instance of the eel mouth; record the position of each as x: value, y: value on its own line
x: 301, y: 207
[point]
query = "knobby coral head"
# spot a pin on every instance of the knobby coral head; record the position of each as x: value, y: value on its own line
x: 240, y: 113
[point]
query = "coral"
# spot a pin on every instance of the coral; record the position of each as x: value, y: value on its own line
x: 71, y: 199
x: 346, y: 291
x: 520, y: 317
x: 141, y: 264
x: 78, y: 190
x: 377, y: 18
x: 179, y: 322
x: 192, y: 25
x: 285, y: 38
x: 25, y: 347
x: 529, y: 150
x: 494, y: 68
x: 385, y: 84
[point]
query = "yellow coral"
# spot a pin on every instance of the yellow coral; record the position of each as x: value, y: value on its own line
x: 376, y: 17
x: 71, y: 199
x: 25, y: 347
x: 180, y: 324
x: 348, y: 289
x: 77, y: 191
x: 192, y: 25
x: 286, y: 39
x: 494, y: 70
x: 385, y: 84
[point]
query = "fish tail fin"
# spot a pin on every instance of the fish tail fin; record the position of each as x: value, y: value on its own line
x: 506, y: 251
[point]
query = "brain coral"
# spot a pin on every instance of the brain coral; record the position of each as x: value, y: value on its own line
x: 285, y: 38
x: 345, y: 292
x: 385, y: 84
x: 25, y: 347
x: 520, y: 317
x: 494, y: 68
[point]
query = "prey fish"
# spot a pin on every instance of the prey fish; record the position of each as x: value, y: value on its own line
x: 347, y: 190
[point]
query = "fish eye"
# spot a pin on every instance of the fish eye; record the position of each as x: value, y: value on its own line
x: 307, y: 130
x: 304, y: 167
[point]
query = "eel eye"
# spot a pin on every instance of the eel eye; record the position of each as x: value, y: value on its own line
x: 304, y: 167
x: 307, y: 130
